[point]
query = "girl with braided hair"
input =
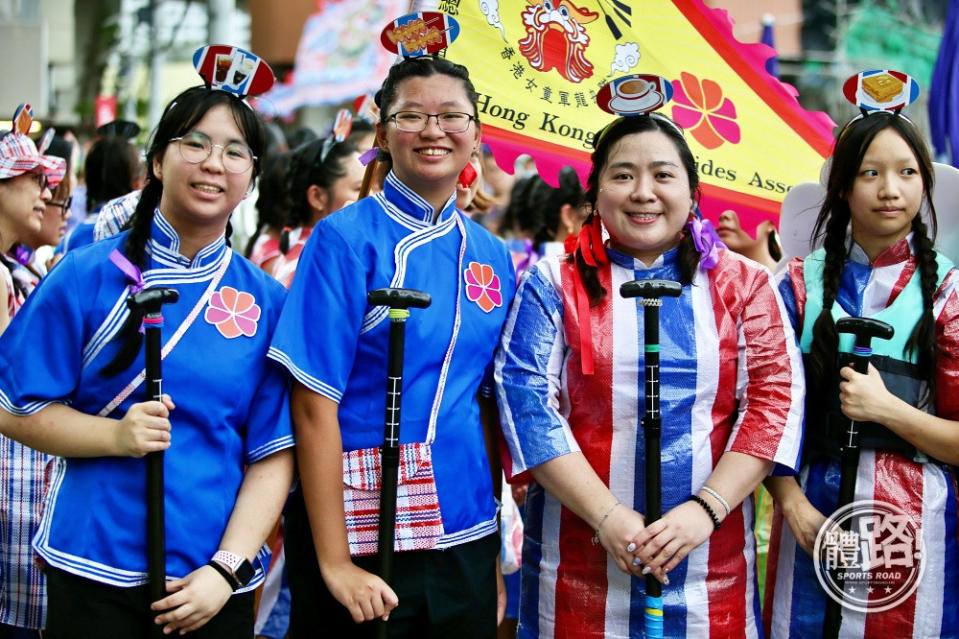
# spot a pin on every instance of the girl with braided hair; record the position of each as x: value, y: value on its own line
x: 877, y: 261
x: 228, y: 437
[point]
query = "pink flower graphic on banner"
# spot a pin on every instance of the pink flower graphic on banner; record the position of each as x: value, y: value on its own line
x: 233, y: 312
x: 482, y: 286
x: 700, y: 108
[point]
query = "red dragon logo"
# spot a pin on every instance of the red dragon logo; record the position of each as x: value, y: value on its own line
x: 556, y: 39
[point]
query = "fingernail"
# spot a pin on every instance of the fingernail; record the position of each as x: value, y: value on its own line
x: 665, y: 581
x: 631, y: 547
x: 647, y: 570
x: 636, y: 561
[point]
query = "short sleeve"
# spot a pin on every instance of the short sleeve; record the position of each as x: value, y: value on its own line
x: 318, y: 330
x: 41, y: 350
x: 528, y: 377
x: 769, y: 425
x: 947, y: 339
x: 269, y: 425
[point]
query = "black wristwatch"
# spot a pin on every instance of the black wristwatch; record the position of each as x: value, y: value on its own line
x: 240, y: 568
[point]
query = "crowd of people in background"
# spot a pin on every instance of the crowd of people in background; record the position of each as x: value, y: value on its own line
x: 276, y: 378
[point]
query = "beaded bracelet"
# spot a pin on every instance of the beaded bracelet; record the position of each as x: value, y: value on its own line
x: 709, y: 511
x: 718, y: 498
x: 602, y: 521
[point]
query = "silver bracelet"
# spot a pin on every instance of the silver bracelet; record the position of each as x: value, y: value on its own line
x: 718, y: 498
x: 602, y: 521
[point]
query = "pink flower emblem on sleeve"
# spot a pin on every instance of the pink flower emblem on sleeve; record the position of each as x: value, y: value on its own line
x: 483, y: 286
x: 233, y: 312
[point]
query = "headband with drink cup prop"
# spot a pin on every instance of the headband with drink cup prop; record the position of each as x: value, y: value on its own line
x: 412, y: 35
x: 233, y: 70
x: 19, y: 155
x: 641, y: 95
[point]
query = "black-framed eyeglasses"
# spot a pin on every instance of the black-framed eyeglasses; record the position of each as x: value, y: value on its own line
x: 196, y: 147
x: 63, y: 206
x: 415, y: 121
x: 41, y: 180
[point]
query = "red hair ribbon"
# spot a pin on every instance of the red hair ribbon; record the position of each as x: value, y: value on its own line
x: 590, y: 243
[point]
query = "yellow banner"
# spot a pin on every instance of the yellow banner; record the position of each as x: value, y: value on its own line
x: 539, y: 64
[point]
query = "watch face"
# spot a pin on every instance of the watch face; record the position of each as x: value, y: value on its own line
x: 244, y: 573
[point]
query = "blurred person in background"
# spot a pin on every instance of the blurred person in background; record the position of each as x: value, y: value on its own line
x: 764, y: 249
x: 263, y: 247
x: 27, y: 181
x: 324, y: 176
x: 112, y: 169
x: 56, y: 215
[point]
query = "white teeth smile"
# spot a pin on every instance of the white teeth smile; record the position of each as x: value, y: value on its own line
x: 207, y: 188
x: 433, y: 151
x: 643, y: 216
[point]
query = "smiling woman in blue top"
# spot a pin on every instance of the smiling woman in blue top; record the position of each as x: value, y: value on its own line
x: 224, y: 426
x: 410, y: 235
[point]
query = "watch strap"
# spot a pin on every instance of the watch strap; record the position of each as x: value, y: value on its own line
x: 226, y: 574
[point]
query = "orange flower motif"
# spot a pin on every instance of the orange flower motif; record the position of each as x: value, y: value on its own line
x: 700, y: 108
x: 233, y: 312
x: 483, y: 286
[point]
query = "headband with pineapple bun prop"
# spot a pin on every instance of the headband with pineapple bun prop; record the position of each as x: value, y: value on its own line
x: 873, y: 91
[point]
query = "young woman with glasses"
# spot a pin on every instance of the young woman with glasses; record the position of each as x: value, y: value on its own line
x: 55, y: 217
x: 26, y: 181
x: 224, y: 424
x: 409, y: 235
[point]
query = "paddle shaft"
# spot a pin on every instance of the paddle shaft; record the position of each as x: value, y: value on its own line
x: 864, y: 330
x: 399, y: 301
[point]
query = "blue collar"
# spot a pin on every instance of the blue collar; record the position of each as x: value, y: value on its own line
x: 666, y: 265
x: 164, y: 247
x: 408, y: 202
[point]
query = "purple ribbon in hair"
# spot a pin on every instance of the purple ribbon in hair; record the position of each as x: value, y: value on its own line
x: 129, y: 269
x: 706, y: 240
x: 369, y: 156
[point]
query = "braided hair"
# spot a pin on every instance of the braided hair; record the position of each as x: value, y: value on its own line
x: 179, y: 117
x: 603, y: 146
x: 831, y: 225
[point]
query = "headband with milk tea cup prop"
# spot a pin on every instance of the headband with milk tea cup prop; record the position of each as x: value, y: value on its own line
x: 233, y: 70
x: 636, y: 94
